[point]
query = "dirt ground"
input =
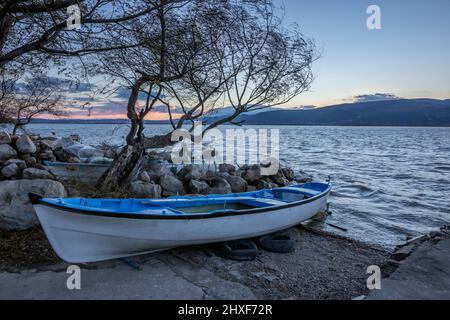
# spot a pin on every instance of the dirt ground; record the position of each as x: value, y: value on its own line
x: 323, y: 266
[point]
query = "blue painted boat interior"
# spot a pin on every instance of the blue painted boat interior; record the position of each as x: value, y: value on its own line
x: 209, y: 204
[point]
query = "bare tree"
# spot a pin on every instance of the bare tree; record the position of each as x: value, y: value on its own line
x: 207, y: 55
x: 41, y: 27
x: 170, y: 45
x: 257, y: 63
x: 35, y: 98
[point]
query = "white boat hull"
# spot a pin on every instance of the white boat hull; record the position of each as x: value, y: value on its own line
x: 79, y: 238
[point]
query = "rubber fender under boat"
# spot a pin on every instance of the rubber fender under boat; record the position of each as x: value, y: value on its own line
x: 240, y: 250
x: 279, y: 243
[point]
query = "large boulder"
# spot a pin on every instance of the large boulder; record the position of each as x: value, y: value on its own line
x: 143, y: 176
x: 10, y: 170
x: 47, y: 155
x: 157, y: 170
x: 227, y: 168
x: 303, y: 177
x: 16, y: 212
x: 171, y: 186
x: 263, y: 184
x: 5, y: 138
x: 64, y: 156
x: 252, y: 173
x: 48, y: 144
x: 141, y: 189
x: 7, y: 152
x: 25, y: 145
x: 288, y: 173
x: 220, y: 186
x: 279, y: 178
x: 20, y: 163
x: 33, y: 173
x: 89, y: 152
x: 74, y: 149
x: 237, y: 183
x: 198, y: 187
x: 64, y: 143
x: 190, y: 172
x: 30, y: 161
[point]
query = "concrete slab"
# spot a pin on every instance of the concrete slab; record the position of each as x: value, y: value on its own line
x: 425, y: 274
x: 115, y: 280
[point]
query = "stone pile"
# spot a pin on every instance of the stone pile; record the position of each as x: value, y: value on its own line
x: 21, y: 157
x: 159, y: 180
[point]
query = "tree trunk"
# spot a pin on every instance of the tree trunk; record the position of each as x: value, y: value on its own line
x: 119, y: 173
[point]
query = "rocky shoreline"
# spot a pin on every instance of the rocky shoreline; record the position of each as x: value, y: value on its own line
x: 22, y: 170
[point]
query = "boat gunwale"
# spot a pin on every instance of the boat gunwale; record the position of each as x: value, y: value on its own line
x: 75, y: 164
x: 38, y: 200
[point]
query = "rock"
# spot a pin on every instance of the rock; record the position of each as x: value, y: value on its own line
x: 252, y: 174
x: 47, y: 155
x: 65, y: 143
x: 74, y: 149
x: 65, y: 156
x: 288, y: 173
x: 33, y: 173
x: 220, y: 186
x: 157, y: 170
x: 109, y: 151
x: 228, y: 168
x: 16, y: 212
x: 19, y: 163
x: 31, y: 161
x: 303, y: 177
x: 5, y: 138
x: 141, y: 189
x: 25, y: 145
x: 279, y: 178
x: 143, y: 176
x: 99, y: 160
x: 251, y: 188
x: 263, y: 184
x: 7, y: 152
x: 281, y: 181
x: 89, y: 152
x: 212, y: 175
x: 171, y: 186
x: 190, y: 172
x: 10, y: 170
x: 48, y: 144
x: 198, y: 187
x: 237, y: 183
x: 404, y: 252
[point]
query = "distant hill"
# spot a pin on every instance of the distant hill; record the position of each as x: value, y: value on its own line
x: 402, y: 112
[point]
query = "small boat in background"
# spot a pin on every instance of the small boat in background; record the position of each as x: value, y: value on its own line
x: 87, y: 230
x: 84, y: 172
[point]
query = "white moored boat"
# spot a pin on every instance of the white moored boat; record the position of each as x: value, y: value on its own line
x: 87, y: 230
x: 84, y: 172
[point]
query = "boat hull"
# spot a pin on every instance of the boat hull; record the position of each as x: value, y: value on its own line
x: 79, y: 238
x: 83, y: 172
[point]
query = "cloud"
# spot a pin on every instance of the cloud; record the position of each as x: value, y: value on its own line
x: 373, y: 97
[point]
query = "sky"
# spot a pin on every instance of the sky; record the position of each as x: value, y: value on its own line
x: 408, y: 57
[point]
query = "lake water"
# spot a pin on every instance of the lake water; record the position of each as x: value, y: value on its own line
x: 388, y: 183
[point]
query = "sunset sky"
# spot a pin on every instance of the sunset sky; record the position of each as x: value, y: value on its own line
x: 407, y: 58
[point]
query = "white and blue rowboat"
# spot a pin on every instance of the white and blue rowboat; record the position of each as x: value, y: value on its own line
x: 84, y: 172
x: 86, y: 230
